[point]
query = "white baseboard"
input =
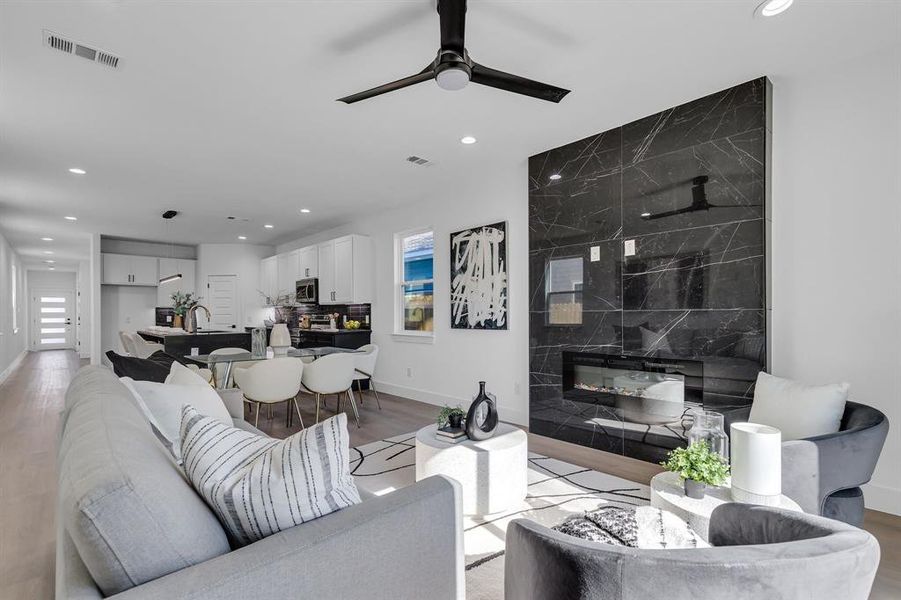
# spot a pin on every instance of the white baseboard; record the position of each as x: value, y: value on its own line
x: 12, y: 366
x: 506, y: 413
x: 882, y: 498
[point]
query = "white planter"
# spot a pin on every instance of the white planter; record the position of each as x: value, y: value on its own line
x: 756, y: 464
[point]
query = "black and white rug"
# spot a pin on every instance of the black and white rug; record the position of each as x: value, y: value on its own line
x: 557, y: 490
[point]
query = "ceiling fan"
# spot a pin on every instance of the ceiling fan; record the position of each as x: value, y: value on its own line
x: 452, y: 69
x: 698, y: 201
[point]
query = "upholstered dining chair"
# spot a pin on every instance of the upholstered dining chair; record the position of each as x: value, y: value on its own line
x: 141, y: 348
x: 364, y: 367
x: 219, y: 369
x: 331, y: 374
x: 272, y: 382
x: 128, y: 345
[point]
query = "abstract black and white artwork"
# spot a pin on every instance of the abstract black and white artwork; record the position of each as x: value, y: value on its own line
x: 479, y: 277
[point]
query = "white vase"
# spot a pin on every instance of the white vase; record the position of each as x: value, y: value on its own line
x: 756, y: 464
x: 280, y: 339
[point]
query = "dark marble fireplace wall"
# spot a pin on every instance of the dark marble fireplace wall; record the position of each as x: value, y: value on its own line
x: 696, y: 286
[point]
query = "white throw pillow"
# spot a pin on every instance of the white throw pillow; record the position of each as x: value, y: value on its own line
x: 799, y: 411
x: 258, y: 485
x: 163, y: 402
x: 182, y: 375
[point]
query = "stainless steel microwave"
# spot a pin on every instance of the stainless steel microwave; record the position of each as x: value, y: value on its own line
x: 308, y: 290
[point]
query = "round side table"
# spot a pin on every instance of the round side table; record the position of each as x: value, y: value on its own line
x: 668, y: 493
x: 493, y: 473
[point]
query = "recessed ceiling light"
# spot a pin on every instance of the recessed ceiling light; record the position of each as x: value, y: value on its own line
x: 71, y: 218
x: 468, y: 139
x: 48, y: 252
x: 242, y: 237
x: 771, y: 8
x: 49, y: 262
x: 78, y: 171
x: 46, y: 239
x: 305, y: 210
x: 51, y: 268
x: 268, y: 226
x: 645, y: 214
x: 555, y: 176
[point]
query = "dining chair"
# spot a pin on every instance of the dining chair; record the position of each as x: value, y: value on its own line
x: 364, y: 367
x: 128, y: 345
x: 140, y: 347
x: 272, y: 382
x: 331, y: 374
x: 220, y: 369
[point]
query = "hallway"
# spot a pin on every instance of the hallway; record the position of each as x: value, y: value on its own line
x: 30, y: 402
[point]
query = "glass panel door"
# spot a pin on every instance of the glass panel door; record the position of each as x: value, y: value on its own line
x: 53, y: 317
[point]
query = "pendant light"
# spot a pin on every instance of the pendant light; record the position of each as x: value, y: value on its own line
x: 168, y: 216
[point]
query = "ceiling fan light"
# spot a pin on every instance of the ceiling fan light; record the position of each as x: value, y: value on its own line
x: 771, y: 8
x: 452, y: 79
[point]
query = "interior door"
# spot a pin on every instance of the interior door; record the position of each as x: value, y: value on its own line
x: 327, y: 273
x: 222, y: 300
x: 53, y: 320
x: 344, y: 270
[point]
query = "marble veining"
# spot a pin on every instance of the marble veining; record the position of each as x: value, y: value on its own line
x: 695, y: 286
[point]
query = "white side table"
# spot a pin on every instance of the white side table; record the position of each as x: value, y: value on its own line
x: 668, y: 493
x: 493, y: 473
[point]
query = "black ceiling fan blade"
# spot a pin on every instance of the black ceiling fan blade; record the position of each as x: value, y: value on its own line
x: 514, y: 83
x: 423, y: 75
x: 453, y: 24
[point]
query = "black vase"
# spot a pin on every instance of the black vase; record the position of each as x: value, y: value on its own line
x: 483, y: 403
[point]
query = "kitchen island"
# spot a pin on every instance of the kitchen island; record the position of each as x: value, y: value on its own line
x: 180, y: 343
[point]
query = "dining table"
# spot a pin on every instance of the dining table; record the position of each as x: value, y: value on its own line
x: 209, y: 360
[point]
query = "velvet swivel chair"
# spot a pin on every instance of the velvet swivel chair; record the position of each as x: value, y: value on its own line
x: 823, y: 474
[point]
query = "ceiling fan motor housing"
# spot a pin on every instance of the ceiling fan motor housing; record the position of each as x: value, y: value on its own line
x: 452, y: 72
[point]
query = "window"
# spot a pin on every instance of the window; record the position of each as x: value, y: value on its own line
x: 563, y: 289
x: 15, y: 293
x: 415, y: 285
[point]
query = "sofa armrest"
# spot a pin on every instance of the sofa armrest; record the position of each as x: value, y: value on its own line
x: 400, y: 545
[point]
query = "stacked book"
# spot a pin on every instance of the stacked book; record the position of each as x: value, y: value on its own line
x: 451, y: 435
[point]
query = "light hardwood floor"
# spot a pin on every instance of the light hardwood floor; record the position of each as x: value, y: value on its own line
x: 30, y: 401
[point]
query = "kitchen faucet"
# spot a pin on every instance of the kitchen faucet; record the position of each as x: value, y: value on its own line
x: 191, y: 318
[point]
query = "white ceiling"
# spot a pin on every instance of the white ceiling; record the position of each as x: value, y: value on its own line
x: 225, y: 109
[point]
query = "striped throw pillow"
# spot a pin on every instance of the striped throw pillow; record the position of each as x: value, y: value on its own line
x: 257, y: 485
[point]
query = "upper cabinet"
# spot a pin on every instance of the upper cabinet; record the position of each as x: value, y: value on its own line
x: 187, y: 268
x: 269, y: 276
x: 308, y: 262
x: 287, y: 272
x: 345, y: 270
x: 123, y: 269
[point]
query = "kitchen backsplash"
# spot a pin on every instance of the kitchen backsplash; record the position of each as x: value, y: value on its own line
x: 355, y: 312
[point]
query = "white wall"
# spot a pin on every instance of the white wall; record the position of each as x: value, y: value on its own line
x: 837, y: 240
x: 85, y: 294
x: 12, y: 342
x: 448, y: 371
x: 124, y: 308
x: 243, y: 261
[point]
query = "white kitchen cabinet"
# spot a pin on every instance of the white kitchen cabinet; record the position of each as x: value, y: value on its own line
x: 123, y: 269
x: 287, y: 272
x: 187, y: 284
x: 308, y: 262
x: 345, y: 270
x: 269, y: 276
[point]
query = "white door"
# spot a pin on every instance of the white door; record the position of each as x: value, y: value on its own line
x: 327, y: 273
x: 222, y: 300
x: 344, y: 270
x: 53, y: 320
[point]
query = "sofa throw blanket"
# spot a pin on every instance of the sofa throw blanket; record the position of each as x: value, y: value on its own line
x: 641, y: 527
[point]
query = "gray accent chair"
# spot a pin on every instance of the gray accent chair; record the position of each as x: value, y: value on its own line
x: 823, y: 474
x: 758, y: 553
x: 130, y: 526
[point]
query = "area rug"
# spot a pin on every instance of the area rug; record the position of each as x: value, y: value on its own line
x: 557, y: 490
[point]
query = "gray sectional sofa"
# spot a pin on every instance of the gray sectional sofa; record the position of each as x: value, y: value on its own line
x: 130, y: 526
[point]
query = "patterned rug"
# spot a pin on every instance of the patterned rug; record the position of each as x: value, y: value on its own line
x: 557, y: 490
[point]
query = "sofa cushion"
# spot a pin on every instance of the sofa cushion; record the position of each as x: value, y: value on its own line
x: 798, y: 410
x: 127, y: 508
x: 259, y: 486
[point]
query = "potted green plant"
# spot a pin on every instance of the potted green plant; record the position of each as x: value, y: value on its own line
x: 698, y: 467
x: 182, y: 303
x: 451, y: 416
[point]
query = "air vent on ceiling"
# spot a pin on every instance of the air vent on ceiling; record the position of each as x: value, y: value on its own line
x: 417, y: 160
x: 58, y: 42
